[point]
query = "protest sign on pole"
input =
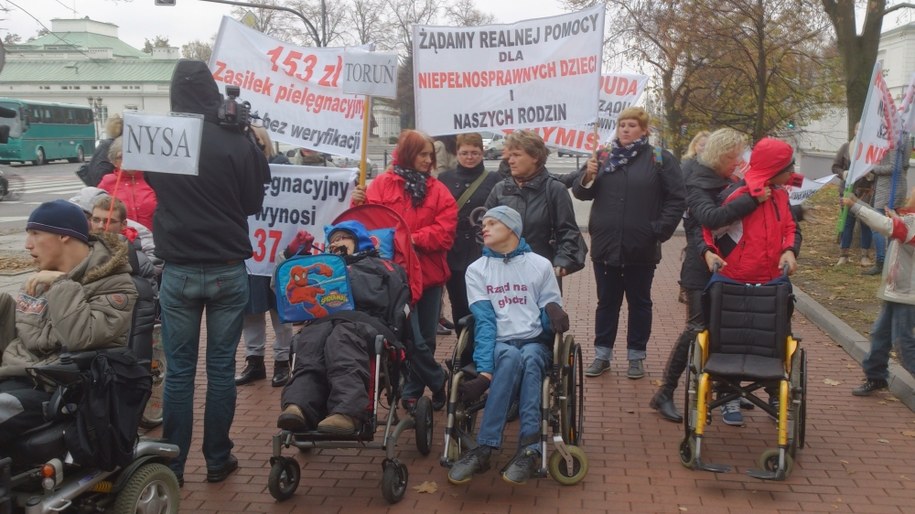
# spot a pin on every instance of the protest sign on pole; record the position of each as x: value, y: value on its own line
x: 617, y: 92
x: 529, y: 74
x: 876, y: 133
x: 907, y: 108
x: 297, y: 198
x: 797, y: 195
x: 162, y: 143
x: 294, y: 90
x: 369, y: 73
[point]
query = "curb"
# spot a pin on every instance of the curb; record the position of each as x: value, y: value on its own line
x: 901, y: 383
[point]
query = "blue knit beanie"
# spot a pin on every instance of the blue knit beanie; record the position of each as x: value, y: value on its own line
x: 507, y: 216
x: 60, y: 217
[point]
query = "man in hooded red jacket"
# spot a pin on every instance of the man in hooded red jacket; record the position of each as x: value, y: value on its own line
x: 756, y: 248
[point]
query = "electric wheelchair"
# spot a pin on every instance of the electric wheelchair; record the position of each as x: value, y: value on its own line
x: 747, y: 346
x: 562, y: 408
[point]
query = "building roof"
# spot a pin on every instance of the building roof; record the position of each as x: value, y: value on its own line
x: 78, y: 41
x: 94, y: 71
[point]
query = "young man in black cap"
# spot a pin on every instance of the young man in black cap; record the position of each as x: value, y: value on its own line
x: 80, y: 298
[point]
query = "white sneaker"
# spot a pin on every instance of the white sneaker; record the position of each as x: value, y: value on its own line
x: 865, y: 262
x: 842, y: 261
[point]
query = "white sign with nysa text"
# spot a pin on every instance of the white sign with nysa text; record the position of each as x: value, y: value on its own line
x: 162, y: 143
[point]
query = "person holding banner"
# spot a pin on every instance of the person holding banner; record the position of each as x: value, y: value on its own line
x: 470, y: 185
x: 886, y: 176
x: 430, y: 211
x: 544, y: 203
x: 638, y: 200
x: 894, y: 324
x: 201, y: 232
x: 863, y: 189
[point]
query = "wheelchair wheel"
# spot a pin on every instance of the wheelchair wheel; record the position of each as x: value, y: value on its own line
x: 573, y: 386
x: 151, y: 488
x: 152, y: 414
x: 688, y: 452
x: 284, y: 478
x: 423, y: 417
x: 768, y: 461
x: 797, y: 414
x: 394, y: 481
x: 560, y: 471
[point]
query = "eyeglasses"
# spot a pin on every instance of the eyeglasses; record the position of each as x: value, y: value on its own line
x: 99, y: 221
x: 469, y: 154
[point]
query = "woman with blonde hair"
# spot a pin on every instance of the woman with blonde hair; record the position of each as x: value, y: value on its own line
x: 638, y: 200
x: 695, y: 146
x: 706, y: 176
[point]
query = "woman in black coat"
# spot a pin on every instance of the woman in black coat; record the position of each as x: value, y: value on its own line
x: 638, y: 199
x: 468, y: 245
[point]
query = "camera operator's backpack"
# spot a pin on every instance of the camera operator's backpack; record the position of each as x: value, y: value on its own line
x: 115, y: 390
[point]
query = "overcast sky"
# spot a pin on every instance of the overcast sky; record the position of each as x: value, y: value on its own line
x: 189, y: 20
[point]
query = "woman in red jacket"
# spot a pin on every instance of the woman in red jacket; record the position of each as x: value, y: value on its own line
x: 431, y: 213
x: 129, y: 187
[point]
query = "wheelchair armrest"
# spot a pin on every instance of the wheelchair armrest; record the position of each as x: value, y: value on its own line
x: 465, y: 322
x: 68, y: 370
x: 470, y: 370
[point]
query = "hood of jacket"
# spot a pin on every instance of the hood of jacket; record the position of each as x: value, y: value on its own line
x: 522, y: 248
x: 101, y: 264
x: 194, y: 90
x: 363, y: 238
x: 769, y: 157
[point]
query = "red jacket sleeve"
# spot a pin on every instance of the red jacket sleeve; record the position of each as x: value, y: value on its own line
x: 439, y: 235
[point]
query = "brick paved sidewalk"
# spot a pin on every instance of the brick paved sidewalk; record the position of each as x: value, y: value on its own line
x: 858, y: 458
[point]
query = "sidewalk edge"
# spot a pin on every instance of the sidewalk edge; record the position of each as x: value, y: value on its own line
x: 902, y: 384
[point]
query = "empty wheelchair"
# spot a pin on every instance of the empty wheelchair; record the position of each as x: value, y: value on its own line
x: 562, y: 409
x: 747, y: 346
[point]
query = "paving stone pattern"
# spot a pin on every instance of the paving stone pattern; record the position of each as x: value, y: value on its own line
x: 858, y: 457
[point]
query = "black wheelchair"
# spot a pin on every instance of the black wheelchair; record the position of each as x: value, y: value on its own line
x: 386, y: 377
x: 562, y: 409
x: 748, y: 346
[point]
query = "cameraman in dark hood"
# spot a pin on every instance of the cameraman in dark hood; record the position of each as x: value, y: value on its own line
x: 201, y: 232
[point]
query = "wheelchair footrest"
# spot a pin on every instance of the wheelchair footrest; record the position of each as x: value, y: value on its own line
x: 763, y: 474
x: 714, y: 468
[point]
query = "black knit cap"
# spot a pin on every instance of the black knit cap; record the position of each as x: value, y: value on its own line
x: 60, y: 217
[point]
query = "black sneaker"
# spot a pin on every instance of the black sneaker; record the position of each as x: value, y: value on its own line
x: 869, y: 387
x: 522, y: 467
x: 473, y: 462
x: 222, y: 472
x: 597, y: 368
x: 440, y: 397
x: 875, y: 270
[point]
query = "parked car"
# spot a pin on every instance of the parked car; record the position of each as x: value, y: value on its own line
x: 570, y: 153
x: 494, y: 149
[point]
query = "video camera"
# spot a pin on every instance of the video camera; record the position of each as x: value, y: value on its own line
x: 232, y: 113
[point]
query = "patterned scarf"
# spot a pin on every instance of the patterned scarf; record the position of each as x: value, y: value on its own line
x: 414, y: 184
x: 622, y: 155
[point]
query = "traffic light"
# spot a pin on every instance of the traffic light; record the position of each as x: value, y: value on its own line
x: 169, y: 3
x: 791, y: 125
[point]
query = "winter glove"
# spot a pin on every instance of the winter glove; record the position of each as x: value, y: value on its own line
x: 473, y: 389
x: 559, y: 320
x: 301, y: 243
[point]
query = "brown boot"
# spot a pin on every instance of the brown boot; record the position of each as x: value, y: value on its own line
x: 339, y: 424
x: 292, y: 419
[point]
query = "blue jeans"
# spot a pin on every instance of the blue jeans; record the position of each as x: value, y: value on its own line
x: 613, y: 282
x: 423, y: 370
x: 519, y: 370
x: 895, y: 326
x: 849, y: 229
x: 186, y: 291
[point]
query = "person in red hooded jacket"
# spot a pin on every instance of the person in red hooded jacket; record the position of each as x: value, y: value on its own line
x: 129, y: 187
x: 756, y: 248
x: 430, y: 211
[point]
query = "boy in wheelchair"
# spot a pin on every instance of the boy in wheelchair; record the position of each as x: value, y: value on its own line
x: 83, y: 292
x: 516, y: 303
x: 328, y: 389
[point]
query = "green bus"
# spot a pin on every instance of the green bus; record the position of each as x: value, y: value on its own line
x: 45, y: 131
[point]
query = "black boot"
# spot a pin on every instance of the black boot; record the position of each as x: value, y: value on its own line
x: 876, y: 270
x: 664, y: 404
x: 254, y: 370
x: 280, y: 373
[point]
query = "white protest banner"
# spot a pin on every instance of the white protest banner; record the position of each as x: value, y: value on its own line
x: 876, y: 134
x: 797, y: 195
x: 294, y: 90
x: 369, y: 73
x: 528, y: 74
x: 297, y: 198
x: 617, y: 92
x: 162, y: 143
